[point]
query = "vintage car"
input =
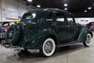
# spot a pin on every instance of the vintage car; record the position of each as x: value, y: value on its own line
x: 3, y: 28
x: 45, y: 30
x: 90, y: 26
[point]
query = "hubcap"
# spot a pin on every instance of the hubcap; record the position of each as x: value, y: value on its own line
x: 88, y: 39
x: 48, y: 47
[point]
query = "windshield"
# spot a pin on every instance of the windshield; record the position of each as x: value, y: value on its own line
x: 28, y: 16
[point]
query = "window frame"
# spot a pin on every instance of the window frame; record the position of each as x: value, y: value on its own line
x: 50, y: 12
x: 69, y: 14
x: 58, y: 12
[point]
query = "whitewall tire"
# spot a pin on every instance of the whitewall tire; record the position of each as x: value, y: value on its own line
x: 48, y: 47
x: 88, y: 40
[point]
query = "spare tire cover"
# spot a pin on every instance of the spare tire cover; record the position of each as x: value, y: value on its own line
x: 13, y: 34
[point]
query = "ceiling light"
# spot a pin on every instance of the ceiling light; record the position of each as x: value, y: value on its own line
x: 29, y: 0
x: 38, y: 6
x: 65, y: 5
x: 66, y: 9
x: 85, y: 11
x: 89, y: 8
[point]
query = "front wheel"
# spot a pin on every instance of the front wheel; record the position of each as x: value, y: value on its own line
x: 48, y: 47
x: 87, y: 40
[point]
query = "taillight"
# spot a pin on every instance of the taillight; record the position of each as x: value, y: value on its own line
x: 5, y: 27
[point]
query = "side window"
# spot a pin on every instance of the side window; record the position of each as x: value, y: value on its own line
x: 60, y: 17
x: 49, y: 17
x: 70, y: 18
x: 29, y: 16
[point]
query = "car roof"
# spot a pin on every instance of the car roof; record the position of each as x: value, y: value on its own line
x: 46, y: 10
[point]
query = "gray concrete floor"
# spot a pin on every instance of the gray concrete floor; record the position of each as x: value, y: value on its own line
x: 71, y: 54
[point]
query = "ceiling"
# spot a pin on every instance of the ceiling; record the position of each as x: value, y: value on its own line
x: 76, y: 7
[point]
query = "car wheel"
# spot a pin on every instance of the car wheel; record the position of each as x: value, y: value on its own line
x: 88, y: 40
x: 48, y: 47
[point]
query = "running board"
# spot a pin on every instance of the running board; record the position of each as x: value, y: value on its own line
x: 71, y: 43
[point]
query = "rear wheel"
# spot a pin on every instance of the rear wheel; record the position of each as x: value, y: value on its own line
x: 88, y: 40
x: 48, y: 47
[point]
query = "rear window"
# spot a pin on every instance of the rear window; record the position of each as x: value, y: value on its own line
x: 60, y: 17
x: 29, y: 16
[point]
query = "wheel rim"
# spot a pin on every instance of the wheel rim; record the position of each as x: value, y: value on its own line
x: 88, y: 39
x: 49, y: 47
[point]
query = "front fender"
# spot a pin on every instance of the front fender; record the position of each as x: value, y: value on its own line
x: 39, y: 38
x: 83, y: 34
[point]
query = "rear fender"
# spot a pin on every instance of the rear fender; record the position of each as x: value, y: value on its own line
x: 39, y: 39
x: 83, y: 34
x: 43, y: 35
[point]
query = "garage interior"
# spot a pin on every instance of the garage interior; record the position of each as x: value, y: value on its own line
x: 83, y: 11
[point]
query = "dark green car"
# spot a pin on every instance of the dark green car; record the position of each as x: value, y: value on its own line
x: 44, y: 30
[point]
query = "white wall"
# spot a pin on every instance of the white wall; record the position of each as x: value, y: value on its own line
x: 21, y: 9
x: 84, y: 21
x: 11, y: 9
x: 0, y: 10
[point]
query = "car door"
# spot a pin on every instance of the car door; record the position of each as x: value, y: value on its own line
x: 71, y: 27
x: 62, y: 28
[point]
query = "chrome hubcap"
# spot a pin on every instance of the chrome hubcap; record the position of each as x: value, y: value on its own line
x: 88, y: 39
x: 48, y: 47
